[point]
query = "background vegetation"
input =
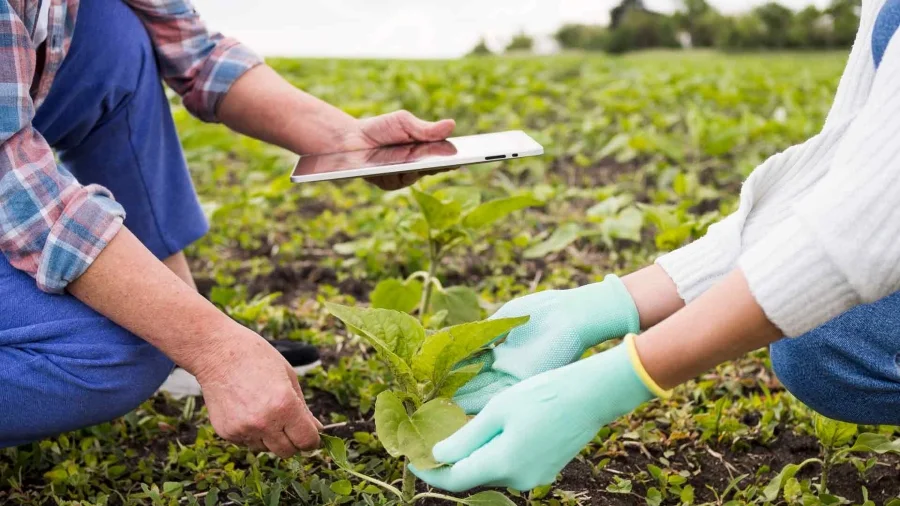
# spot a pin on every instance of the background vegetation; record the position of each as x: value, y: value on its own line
x: 697, y: 24
x: 643, y: 152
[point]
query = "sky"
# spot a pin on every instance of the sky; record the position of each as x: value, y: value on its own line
x: 408, y: 28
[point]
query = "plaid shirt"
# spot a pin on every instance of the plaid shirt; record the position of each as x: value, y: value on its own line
x: 51, y: 226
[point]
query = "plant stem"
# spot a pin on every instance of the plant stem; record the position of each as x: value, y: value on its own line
x: 409, y: 484
x: 826, y: 467
x: 429, y: 278
x: 432, y: 495
x: 379, y: 483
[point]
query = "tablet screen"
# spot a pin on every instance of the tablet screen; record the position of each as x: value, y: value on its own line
x: 453, y: 152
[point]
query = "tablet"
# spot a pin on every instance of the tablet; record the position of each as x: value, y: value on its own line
x: 425, y: 156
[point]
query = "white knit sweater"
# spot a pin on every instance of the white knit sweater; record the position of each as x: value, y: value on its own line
x: 818, y: 228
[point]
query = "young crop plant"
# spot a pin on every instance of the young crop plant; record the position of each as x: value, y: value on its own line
x: 449, y: 218
x: 834, y: 439
x: 416, y: 412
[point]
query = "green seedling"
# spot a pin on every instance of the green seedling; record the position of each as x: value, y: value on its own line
x: 834, y: 439
x: 449, y: 218
x: 416, y: 412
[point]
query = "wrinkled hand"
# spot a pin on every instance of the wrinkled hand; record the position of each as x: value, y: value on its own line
x: 526, y: 435
x: 401, y: 127
x: 254, y: 399
x: 563, y: 325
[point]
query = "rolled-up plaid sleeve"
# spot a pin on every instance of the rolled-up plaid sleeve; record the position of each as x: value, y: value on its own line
x: 199, y: 65
x: 51, y: 227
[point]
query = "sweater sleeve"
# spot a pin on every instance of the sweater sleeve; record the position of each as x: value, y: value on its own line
x: 839, y: 246
x: 696, y: 267
x: 783, y: 178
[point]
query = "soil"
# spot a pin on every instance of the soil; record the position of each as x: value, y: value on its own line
x: 305, y: 277
x: 711, y: 465
x: 605, y: 172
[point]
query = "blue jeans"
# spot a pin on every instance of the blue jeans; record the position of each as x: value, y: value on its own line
x: 849, y: 368
x: 62, y: 365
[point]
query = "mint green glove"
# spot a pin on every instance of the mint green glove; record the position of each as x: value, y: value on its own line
x: 528, y: 433
x: 563, y: 325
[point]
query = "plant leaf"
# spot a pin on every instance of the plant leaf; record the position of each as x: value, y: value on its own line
x: 833, y: 433
x: 654, y: 497
x: 561, y: 238
x: 446, y: 348
x: 341, y: 487
x: 687, y: 495
x: 439, y: 215
x: 626, y: 225
x: 609, y: 206
x: 386, y: 331
x: 877, y: 443
x: 389, y: 413
x: 780, y: 480
x: 461, y: 303
x: 400, y: 333
x: 397, y: 295
x: 469, y: 198
x: 432, y: 423
x: 336, y: 449
x: 487, y: 498
x: 456, y: 379
x: 621, y: 486
x: 494, y: 210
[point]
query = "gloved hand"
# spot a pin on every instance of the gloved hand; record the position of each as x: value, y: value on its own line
x: 528, y: 433
x: 563, y: 325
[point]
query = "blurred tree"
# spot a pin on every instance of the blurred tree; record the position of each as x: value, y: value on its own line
x: 777, y: 20
x: 743, y: 32
x: 521, y: 42
x: 587, y: 37
x: 618, y: 13
x: 641, y: 29
x: 845, y: 15
x: 812, y: 29
x: 481, y: 49
x: 700, y: 20
x: 769, y: 26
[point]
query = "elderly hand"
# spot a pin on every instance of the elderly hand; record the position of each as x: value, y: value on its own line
x: 400, y: 127
x: 253, y: 396
x: 528, y: 433
x: 563, y: 325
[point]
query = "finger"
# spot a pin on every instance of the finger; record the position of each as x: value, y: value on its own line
x: 477, y: 393
x: 386, y: 183
x: 479, y: 469
x: 255, y: 445
x: 315, y: 420
x: 409, y: 178
x: 472, y: 436
x: 422, y: 130
x: 303, y: 427
x: 279, y: 444
x: 437, y: 171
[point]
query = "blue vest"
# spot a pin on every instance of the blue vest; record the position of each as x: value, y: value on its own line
x: 885, y: 25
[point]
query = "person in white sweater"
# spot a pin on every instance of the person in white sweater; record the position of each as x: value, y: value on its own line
x: 812, y: 254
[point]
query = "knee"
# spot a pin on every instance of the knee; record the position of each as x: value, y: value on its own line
x: 147, y: 371
x: 822, y: 372
x: 801, y: 372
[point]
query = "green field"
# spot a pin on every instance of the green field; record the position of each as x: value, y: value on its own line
x: 643, y: 153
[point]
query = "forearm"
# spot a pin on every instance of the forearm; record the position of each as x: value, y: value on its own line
x: 722, y: 324
x: 264, y: 106
x: 654, y: 293
x: 128, y: 285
